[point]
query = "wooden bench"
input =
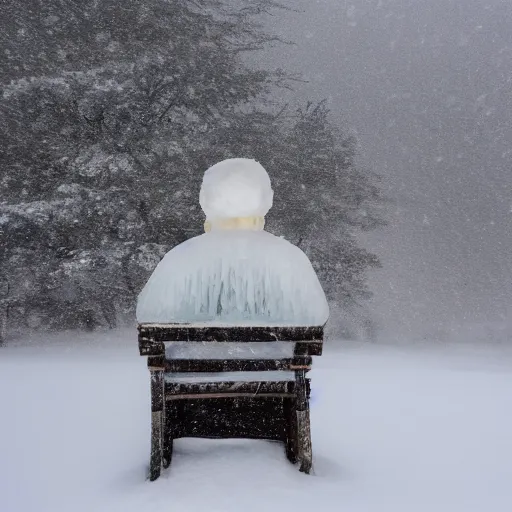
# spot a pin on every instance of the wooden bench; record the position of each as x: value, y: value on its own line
x: 229, y: 382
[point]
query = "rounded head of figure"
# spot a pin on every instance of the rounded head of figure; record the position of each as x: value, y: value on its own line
x: 236, y: 194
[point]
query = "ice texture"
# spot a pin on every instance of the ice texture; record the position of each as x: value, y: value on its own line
x: 234, y: 277
x: 237, y: 187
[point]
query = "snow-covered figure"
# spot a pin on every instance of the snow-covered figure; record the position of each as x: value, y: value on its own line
x: 235, y: 273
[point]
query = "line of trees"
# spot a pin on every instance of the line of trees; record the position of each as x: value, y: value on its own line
x: 110, y: 113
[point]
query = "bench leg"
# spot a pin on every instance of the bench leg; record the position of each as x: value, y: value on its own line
x: 168, y: 434
x: 290, y: 433
x: 155, y: 462
x: 305, y: 452
x: 304, y: 438
x: 157, y: 417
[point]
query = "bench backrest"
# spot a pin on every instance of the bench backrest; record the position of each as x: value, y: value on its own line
x: 255, y: 348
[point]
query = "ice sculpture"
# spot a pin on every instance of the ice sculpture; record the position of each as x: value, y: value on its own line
x: 235, y: 273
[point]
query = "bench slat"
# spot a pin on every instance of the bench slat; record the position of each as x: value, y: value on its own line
x: 152, y: 348
x: 254, y: 388
x: 235, y: 365
x: 163, y: 333
x: 148, y: 348
x: 228, y: 395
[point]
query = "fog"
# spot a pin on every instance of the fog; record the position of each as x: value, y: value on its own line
x: 426, y: 87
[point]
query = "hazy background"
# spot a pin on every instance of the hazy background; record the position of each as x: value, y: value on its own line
x: 426, y: 85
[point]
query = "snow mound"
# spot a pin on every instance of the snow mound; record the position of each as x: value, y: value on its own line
x: 226, y: 277
x: 237, y: 187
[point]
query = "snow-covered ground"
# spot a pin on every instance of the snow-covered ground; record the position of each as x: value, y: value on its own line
x: 421, y: 428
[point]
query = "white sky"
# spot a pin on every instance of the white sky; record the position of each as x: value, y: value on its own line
x: 426, y: 85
